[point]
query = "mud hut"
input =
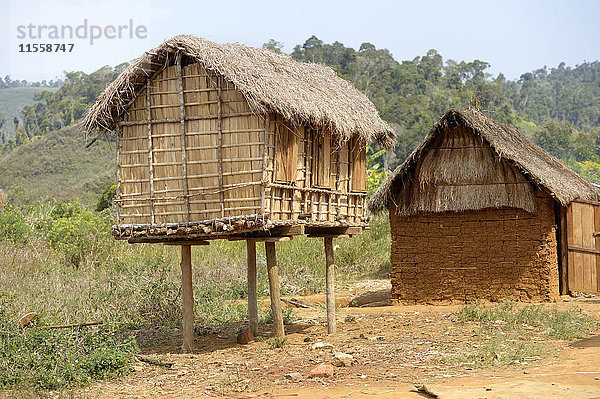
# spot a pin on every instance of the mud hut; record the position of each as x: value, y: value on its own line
x: 229, y: 141
x: 478, y: 211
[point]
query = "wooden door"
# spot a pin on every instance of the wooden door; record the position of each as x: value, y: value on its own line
x: 583, y: 225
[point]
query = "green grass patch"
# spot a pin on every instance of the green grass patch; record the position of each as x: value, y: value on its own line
x: 35, y: 358
x: 509, y: 333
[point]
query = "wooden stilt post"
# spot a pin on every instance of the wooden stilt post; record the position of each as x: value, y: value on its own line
x: 274, y: 288
x: 252, y: 294
x: 188, y: 299
x: 329, y: 282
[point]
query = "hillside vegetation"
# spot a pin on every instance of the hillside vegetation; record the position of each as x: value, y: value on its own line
x: 12, y: 101
x: 56, y: 165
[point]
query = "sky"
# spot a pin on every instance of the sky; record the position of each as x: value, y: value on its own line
x: 513, y: 36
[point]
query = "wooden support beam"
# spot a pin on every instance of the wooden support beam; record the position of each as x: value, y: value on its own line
x: 187, y: 242
x: 330, y: 284
x: 118, y: 135
x: 252, y: 292
x: 328, y: 236
x: 184, y: 174
x: 220, y: 148
x: 278, y: 329
x: 318, y: 231
x: 261, y: 239
x: 188, y: 299
x: 150, y: 154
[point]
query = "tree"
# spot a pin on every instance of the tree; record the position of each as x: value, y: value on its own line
x: 556, y: 138
x: 273, y: 45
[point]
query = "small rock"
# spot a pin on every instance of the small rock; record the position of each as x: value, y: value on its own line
x: 597, y: 378
x: 308, y: 339
x: 525, y: 371
x: 321, y: 371
x: 342, y: 359
x: 28, y: 319
x: 245, y: 337
x: 293, y: 377
x: 321, y: 345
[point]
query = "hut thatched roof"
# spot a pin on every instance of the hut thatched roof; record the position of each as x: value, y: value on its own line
x: 537, y: 165
x: 300, y: 92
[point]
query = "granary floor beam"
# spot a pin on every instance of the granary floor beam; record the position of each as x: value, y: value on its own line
x: 252, y: 292
x: 188, y: 299
x: 330, y: 284
x: 278, y: 329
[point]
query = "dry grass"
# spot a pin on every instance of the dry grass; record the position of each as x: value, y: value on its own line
x: 138, y: 285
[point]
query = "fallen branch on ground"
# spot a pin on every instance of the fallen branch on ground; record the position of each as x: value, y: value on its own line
x: 297, y: 303
x: 86, y: 324
x: 155, y: 362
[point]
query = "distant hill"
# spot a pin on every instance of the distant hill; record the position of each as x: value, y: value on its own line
x: 12, y: 101
x: 56, y: 165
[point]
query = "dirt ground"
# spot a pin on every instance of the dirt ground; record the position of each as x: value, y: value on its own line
x: 394, y: 348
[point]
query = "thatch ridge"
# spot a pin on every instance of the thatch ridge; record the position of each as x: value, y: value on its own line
x: 300, y: 92
x: 541, y: 168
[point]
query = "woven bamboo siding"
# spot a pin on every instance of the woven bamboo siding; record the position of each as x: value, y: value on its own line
x: 319, y: 185
x: 191, y: 150
x: 223, y: 148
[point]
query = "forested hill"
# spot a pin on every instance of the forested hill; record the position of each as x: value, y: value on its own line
x: 558, y: 107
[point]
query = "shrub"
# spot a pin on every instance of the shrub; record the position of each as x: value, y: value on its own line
x: 13, y: 228
x: 78, y: 236
x: 106, y: 198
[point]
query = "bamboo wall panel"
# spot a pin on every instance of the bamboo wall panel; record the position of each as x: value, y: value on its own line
x: 359, y: 166
x: 287, y: 152
x: 134, y: 184
x: 168, y: 196
x: 198, y: 135
x: 320, y: 187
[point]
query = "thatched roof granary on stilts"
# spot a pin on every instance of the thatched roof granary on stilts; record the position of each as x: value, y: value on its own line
x: 478, y: 211
x: 233, y: 142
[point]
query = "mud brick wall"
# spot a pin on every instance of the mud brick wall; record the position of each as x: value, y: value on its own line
x: 494, y: 255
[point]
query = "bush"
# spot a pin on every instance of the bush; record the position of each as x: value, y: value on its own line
x: 13, y: 228
x: 106, y: 198
x: 78, y: 236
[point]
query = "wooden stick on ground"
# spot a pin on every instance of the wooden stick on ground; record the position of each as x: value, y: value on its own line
x: 278, y: 329
x: 188, y: 298
x: 297, y: 303
x: 330, y: 284
x: 252, y: 293
x: 155, y: 362
x: 89, y: 323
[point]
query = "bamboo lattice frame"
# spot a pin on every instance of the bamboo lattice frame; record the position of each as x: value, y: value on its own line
x: 193, y: 160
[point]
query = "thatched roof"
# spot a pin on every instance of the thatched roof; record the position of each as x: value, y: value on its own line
x: 508, y: 144
x: 300, y: 92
